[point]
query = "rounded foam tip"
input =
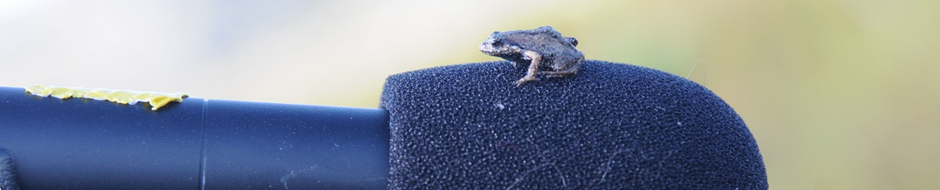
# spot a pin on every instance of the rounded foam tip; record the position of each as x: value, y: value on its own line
x: 610, y: 126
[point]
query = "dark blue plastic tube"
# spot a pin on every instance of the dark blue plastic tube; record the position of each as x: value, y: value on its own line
x: 196, y: 144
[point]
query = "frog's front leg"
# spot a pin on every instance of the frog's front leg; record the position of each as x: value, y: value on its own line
x: 533, y: 66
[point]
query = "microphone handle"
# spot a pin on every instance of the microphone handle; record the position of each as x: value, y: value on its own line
x: 195, y: 144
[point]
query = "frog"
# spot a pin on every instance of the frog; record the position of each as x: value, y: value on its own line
x: 540, y: 47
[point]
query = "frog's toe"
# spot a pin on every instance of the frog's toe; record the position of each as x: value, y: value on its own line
x: 524, y: 80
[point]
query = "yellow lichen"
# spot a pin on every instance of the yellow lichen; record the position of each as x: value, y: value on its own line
x: 156, y: 99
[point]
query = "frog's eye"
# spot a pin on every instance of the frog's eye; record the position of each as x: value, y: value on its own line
x: 496, y: 42
x: 573, y: 41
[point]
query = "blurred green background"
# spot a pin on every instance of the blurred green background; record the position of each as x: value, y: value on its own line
x: 839, y: 94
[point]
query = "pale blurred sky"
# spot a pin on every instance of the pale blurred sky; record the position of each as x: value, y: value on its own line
x: 839, y: 94
x: 311, y: 52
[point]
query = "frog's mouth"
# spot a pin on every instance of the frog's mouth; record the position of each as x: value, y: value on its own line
x: 488, y: 48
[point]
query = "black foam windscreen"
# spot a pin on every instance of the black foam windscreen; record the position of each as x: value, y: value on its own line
x: 611, y: 126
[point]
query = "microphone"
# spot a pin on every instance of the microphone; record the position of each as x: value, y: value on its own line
x: 611, y: 126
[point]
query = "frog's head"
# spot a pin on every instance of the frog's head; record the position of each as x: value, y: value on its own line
x: 498, y: 45
x: 572, y: 40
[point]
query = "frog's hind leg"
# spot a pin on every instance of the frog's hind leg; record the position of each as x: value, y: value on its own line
x: 560, y: 72
x: 556, y: 74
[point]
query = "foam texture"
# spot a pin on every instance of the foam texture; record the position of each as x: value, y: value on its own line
x: 611, y: 126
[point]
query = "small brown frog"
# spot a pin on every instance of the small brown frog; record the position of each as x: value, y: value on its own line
x: 537, y: 46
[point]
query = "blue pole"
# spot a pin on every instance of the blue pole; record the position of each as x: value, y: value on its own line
x: 195, y: 144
